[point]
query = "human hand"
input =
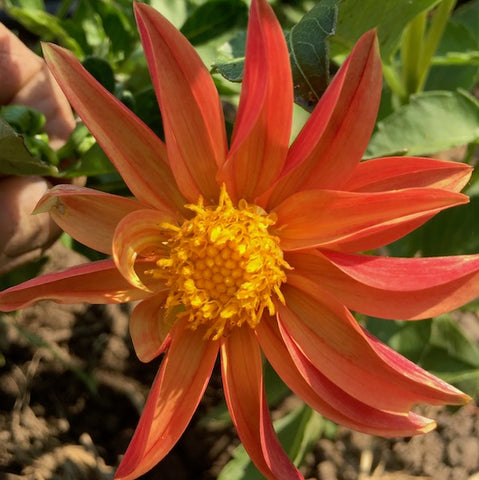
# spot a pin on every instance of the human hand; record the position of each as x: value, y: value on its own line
x: 25, y: 80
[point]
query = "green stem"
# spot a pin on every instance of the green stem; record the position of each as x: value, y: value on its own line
x: 411, y: 52
x: 394, y: 81
x: 434, y: 34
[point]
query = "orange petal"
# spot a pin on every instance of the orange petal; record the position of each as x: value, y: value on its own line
x: 356, y: 221
x: 96, y: 282
x: 150, y: 327
x: 329, y: 336
x: 243, y: 385
x: 173, y: 399
x: 395, y: 288
x: 89, y: 216
x: 263, y: 124
x: 327, y: 398
x: 396, y: 173
x: 137, y: 153
x: 138, y: 234
x: 331, y: 144
x: 190, y: 107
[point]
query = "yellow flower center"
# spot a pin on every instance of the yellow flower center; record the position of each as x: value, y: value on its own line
x: 224, y: 266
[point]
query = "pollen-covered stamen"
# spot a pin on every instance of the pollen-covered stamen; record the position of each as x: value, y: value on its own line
x: 224, y: 266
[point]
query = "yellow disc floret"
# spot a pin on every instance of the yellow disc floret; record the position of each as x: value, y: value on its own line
x: 223, y: 266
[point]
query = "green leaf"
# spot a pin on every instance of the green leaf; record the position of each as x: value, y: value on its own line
x: 431, y: 122
x: 298, y: 431
x: 101, y: 70
x: 15, y: 159
x: 309, y: 53
x: 468, y: 15
x: 46, y: 26
x: 230, y: 63
x: 92, y: 162
x: 389, y: 17
x: 23, y: 119
x: 213, y: 18
x: 452, y: 232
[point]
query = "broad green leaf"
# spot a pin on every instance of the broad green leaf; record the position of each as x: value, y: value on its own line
x: 213, y: 18
x: 389, y: 17
x: 15, y: 159
x: 309, y: 53
x: 468, y: 15
x: 298, y: 431
x: 230, y: 63
x: 431, y: 122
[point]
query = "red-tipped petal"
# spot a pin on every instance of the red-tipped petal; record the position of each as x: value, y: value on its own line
x: 263, y: 124
x: 243, y: 385
x: 327, y: 398
x: 173, y: 399
x: 190, y: 107
x: 329, y: 336
x: 395, y: 288
x: 137, y: 153
x: 356, y: 221
x: 89, y: 216
x: 396, y: 173
x: 138, y: 234
x: 150, y: 327
x: 331, y: 144
x: 96, y: 282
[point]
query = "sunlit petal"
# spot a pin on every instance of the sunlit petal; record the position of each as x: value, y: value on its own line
x: 173, y: 399
x: 357, y: 221
x: 331, y: 144
x: 329, y: 336
x: 137, y: 153
x: 327, y: 398
x: 95, y: 282
x: 89, y: 216
x: 138, y: 234
x: 190, y: 107
x: 243, y: 384
x: 396, y: 173
x: 150, y: 327
x: 263, y: 122
x: 395, y: 288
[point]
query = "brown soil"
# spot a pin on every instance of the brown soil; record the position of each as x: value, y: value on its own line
x: 72, y: 389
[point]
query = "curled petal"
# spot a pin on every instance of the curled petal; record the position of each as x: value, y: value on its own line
x: 174, y: 396
x: 263, y: 124
x: 396, y: 173
x: 137, y: 153
x: 190, y: 107
x: 89, y: 216
x: 355, y: 221
x: 95, y: 282
x: 243, y: 384
x: 327, y: 398
x: 150, y: 327
x: 395, y: 288
x: 138, y: 234
x: 331, y: 144
x: 329, y: 336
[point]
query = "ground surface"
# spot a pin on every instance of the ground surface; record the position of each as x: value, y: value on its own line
x: 71, y: 390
